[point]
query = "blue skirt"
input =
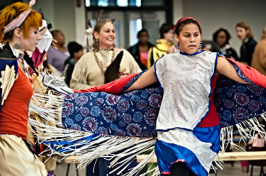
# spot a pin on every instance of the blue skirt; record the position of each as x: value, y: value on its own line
x: 195, y: 148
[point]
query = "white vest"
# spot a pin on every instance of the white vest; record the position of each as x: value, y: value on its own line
x: 186, y: 80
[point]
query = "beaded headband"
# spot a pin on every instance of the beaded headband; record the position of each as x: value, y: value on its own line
x: 183, y: 19
x: 19, y: 20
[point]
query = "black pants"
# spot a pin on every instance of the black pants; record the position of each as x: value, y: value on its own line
x: 101, y: 168
x: 180, y: 169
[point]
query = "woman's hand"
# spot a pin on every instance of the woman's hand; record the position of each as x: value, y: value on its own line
x: 121, y: 75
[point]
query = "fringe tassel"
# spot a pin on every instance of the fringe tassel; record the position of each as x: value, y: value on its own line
x: 246, y: 129
x: 66, y: 142
x: 44, y: 105
x: 142, y: 164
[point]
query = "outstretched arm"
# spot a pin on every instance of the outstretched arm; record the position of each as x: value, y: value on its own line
x: 144, y: 80
x: 225, y: 68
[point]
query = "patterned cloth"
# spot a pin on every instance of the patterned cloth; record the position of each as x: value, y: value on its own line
x: 131, y: 114
x: 235, y: 103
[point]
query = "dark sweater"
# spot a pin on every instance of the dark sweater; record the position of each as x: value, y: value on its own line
x: 246, y: 51
x: 134, y: 51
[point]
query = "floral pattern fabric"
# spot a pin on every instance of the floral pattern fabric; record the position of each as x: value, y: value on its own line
x: 131, y: 114
x: 237, y: 102
x: 134, y: 114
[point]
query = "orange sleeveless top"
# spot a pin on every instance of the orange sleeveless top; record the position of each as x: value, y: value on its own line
x: 14, y: 112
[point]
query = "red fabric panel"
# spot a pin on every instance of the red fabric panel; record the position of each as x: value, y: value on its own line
x: 113, y: 87
x: 212, y: 118
x: 252, y: 74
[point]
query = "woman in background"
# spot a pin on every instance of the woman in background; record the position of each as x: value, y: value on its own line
x: 221, y: 37
x: 102, y: 65
x: 259, y: 56
x: 245, y: 34
x: 140, y: 50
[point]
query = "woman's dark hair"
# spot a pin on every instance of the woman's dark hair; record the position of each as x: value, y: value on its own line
x: 215, y: 35
x: 55, y: 32
x: 166, y: 27
x: 73, y: 47
x: 141, y: 31
x: 181, y: 24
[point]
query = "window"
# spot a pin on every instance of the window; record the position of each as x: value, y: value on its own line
x: 134, y: 27
x: 120, y: 3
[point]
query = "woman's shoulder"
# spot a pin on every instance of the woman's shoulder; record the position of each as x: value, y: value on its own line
x: 87, y: 57
x: 252, y: 42
x: 7, y: 58
x: 6, y: 52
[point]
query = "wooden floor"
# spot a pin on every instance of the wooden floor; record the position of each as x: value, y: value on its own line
x: 227, y: 171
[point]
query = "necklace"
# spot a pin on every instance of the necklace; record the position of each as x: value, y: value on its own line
x: 23, y: 66
x: 100, y: 61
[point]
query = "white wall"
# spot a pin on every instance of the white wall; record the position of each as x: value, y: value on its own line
x: 213, y: 14
x: 47, y: 8
x: 80, y: 23
x: 178, y: 11
x: 66, y: 16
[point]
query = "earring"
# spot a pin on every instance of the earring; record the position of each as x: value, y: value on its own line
x: 97, y: 42
x: 200, y: 46
x: 177, y: 45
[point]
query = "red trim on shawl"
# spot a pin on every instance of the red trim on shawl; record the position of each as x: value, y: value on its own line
x: 113, y: 87
x: 251, y: 73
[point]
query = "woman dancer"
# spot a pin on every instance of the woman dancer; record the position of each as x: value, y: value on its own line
x: 19, y: 32
x: 187, y: 125
x: 187, y: 77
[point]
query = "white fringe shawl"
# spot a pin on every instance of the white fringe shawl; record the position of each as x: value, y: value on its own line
x: 49, y: 107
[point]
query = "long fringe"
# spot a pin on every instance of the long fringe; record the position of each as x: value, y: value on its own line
x: 66, y: 142
x: 119, y: 150
x: 246, y: 129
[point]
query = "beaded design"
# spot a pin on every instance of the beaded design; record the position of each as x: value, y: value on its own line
x: 100, y: 61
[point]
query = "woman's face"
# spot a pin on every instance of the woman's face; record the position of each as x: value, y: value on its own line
x: 169, y: 36
x: 143, y: 37
x: 189, y: 38
x: 30, y: 43
x: 221, y: 39
x: 106, y: 36
x: 241, y: 33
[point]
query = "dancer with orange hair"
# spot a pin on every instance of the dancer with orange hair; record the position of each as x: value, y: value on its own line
x: 19, y: 32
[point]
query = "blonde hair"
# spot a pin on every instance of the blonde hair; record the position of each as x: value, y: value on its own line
x: 9, y: 13
x: 246, y: 27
